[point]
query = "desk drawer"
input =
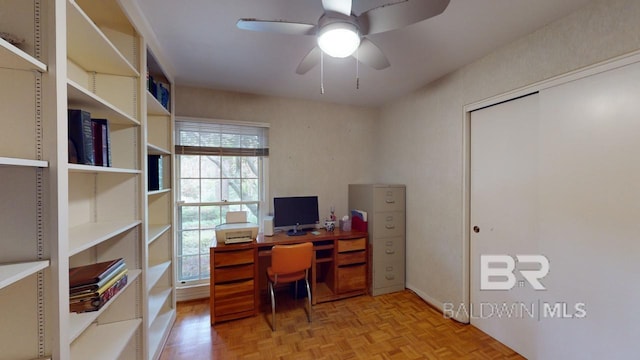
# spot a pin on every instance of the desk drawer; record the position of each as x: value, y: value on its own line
x: 352, y: 244
x: 234, y: 298
x: 236, y: 257
x: 352, y: 278
x: 353, y: 257
x: 232, y: 273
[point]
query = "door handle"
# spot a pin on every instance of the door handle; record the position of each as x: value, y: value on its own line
x: 476, y: 229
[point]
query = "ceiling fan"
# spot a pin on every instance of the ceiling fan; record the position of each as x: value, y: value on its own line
x: 340, y: 33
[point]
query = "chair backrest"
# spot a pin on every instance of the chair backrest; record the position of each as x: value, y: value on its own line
x: 287, y: 259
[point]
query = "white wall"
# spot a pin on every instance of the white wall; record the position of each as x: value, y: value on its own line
x: 420, y: 136
x: 315, y: 148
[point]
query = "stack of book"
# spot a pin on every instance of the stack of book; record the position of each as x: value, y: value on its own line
x: 89, y: 139
x: 159, y: 90
x: 91, y: 286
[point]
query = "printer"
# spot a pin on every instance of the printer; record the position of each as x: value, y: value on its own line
x: 236, y: 229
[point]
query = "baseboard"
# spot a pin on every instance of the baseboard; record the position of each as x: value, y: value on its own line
x: 436, y: 304
x: 194, y: 292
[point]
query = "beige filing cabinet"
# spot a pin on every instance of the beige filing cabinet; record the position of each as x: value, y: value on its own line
x: 385, y: 207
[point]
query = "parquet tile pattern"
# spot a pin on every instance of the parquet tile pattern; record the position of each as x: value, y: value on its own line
x: 391, y: 326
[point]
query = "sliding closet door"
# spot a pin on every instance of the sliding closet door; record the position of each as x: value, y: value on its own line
x: 504, y: 208
x: 558, y: 174
x: 590, y: 215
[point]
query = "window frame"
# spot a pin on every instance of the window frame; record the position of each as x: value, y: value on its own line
x: 263, y: 188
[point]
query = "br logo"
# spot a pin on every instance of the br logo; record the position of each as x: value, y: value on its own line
x: 497, y: 271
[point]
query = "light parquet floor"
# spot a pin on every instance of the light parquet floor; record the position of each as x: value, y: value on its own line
x: 391, y: 326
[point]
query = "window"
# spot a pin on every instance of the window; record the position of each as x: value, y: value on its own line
x: 220, y: 168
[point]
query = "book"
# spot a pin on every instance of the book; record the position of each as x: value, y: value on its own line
x: 101, y: 142
x: 95, y: 293
x: 97, y: 302
x: 93, y: 273
x: 80, y: 137
x: 94, y: 287
x: 154, y: 173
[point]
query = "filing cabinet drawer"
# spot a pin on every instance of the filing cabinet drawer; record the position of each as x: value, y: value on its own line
x: 235, y: 257
x: 345, y: 245
x: 388, y: 199
x: 352, y: 278
x: 389, y: 274
x: 389, y: 224
x: 353, y: 257
x: 234, y: 298
x: 388, y: 250
x: 232, y: 273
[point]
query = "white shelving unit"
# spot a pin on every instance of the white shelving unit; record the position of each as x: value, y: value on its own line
x: 54, y: 215
x: 27, y: 281
x: 160, y: 280
x: 105, y: 215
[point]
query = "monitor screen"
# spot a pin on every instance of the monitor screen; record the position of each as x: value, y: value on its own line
x: 298, y: 210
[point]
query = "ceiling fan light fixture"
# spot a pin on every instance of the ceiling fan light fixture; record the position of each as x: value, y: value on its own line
x: 339, y: 39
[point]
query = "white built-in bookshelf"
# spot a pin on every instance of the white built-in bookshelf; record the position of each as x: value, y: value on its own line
x: 27, y: 278
x: 160, y: 249
x: 54, y: 215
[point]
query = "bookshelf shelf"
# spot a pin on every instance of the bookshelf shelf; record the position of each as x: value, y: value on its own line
x: 12, y: 273
x: 158, y: 192
x: 157, y: 298
x: 13, y: 58
x: 6, y: 161
x: 113, y: 337
x: 159, y: 330
x: 88, y: 46
x: 85, y: 236
x: 80, y: 322
x: 157, y: 150
x: 82, y: 98
x: 154, y: 107
x: 154, y: 273
x: 155, y: 231
x: 79, y: 168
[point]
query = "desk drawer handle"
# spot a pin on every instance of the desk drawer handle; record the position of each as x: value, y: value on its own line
x: 390, y: 201
x: 390, y: 227
x: 389, y: 277
x: 390, y: 251
x: 389, y: 268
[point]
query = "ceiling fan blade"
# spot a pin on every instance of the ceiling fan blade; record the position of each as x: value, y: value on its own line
x: 309, y: 61
x: 399, y: 14
x: 370, y: 54
x: 339, y: 6
x: 277, y: 26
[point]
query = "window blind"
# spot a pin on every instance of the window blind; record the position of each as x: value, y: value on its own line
x: 221, y: 139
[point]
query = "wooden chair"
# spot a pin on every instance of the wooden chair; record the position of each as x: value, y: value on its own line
x: 289, y: 263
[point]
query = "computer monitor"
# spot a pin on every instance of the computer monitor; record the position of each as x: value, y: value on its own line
x: 296, y: 211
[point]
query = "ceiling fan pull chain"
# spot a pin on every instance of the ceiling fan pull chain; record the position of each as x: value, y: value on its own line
x: 321, y: 72
x: 358, y: 68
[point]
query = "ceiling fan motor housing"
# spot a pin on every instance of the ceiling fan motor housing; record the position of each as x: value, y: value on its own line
x: 338, y: 34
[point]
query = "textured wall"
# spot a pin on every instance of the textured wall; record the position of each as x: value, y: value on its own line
x: 315, y: 148
x: 421, y: 135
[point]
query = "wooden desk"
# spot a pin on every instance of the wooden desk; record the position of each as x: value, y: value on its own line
x: 339, y: 270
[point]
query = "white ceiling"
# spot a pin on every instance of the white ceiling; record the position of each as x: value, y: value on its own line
x: 200, y: 40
